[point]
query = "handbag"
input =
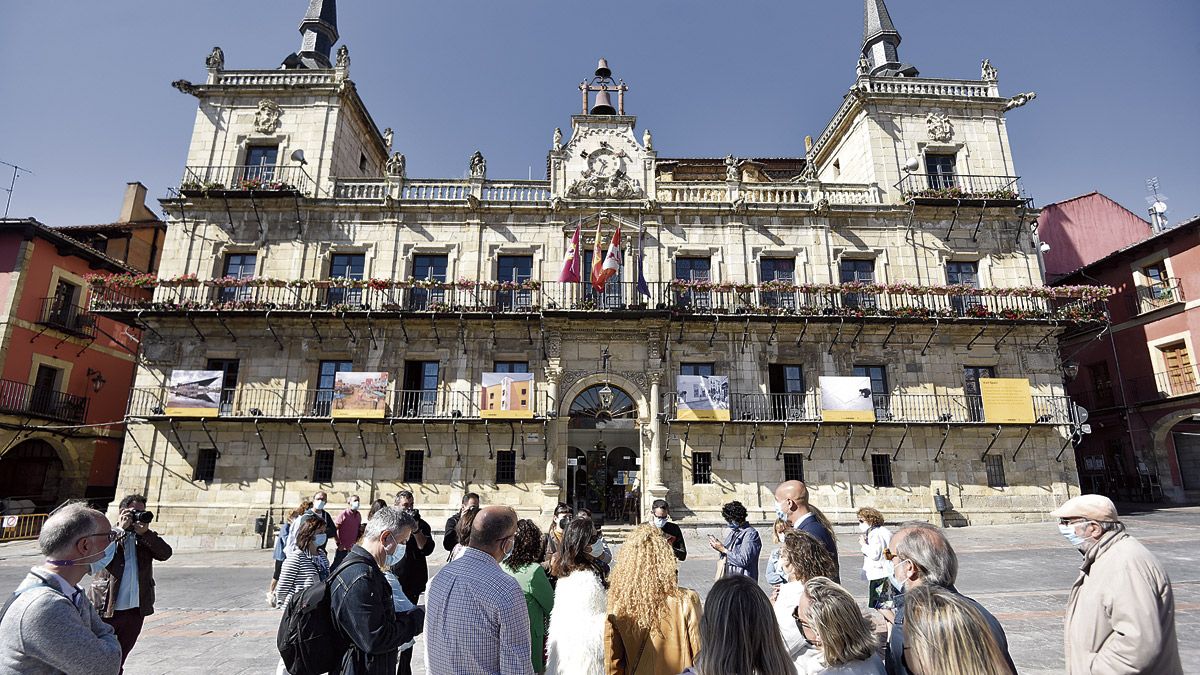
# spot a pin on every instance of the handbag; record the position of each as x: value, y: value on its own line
x: 720, y: 574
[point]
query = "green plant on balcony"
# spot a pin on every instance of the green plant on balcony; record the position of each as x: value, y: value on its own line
x: 201, y: 186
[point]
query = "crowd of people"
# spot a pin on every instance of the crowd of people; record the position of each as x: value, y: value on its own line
x: 514, y: 599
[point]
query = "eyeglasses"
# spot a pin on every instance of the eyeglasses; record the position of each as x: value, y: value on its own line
x: 1072, y: 521
x: 801, y: 623
x: 113, y: 535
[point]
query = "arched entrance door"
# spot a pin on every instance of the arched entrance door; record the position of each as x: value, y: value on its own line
x: 602, y: 455
x: 31, y: 470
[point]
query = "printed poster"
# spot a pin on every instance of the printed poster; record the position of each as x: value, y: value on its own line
x: 194, y: 393
x: 359, y: 395
x: 1006, y: 400
x: 506, y: 396
x: 847, y: 399
x: 702, y: 398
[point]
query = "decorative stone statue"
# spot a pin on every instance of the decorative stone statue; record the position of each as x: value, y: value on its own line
x: 388, y: 135
x: 647, y: 140
x: 395, y: 165
x: 1020, y: 100
x: 343, y: 57
x: 478, y: 165
x: 864, y: 66
x: 266, y: 118
x: 988, y: 72
x: 939, y: 126
x: 557, y: 139
x: 215, y: 60
x: 731, y: 168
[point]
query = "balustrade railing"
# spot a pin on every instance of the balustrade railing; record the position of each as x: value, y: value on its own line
x: 922, y: 87
x: 360, y: 188
x: 517, y: 191
x: 275, y: 78
x: 962, y: 187
x: 264, y: 179
x: 1165, y: 384
x: 435, y: 191
x: 19, y: 398
x: 59, y: 314
x: 767, y: 194
x: 1155, y: 296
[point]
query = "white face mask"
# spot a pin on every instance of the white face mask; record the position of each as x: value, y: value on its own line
x: 597, y: 548
x: 896, y: 583
x: 354, y: 505
x: 1072, y: 535
x: 318, y: 504
x: 659, y: 522
x: 863, y: 527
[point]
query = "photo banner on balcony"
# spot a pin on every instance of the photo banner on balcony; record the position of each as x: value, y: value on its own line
x: 194, y: 393
x: 1006, y: 400
x: 847, y: 399
x: 702, y: 398
x: 506, y: 396
x: 359, y: 395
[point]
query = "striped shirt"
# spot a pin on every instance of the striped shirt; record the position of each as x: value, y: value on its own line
x: 476, y: 620
x: 300, y: 571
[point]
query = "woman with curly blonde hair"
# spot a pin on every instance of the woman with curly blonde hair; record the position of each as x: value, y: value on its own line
x: 653, y: 625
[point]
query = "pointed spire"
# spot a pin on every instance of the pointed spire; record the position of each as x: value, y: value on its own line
x: 318, y: 33
x: 881, y: 42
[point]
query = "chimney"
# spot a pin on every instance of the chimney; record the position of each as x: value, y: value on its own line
x: 133, y: 208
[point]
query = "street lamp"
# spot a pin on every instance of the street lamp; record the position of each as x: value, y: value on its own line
x: 1070, y: 369
x: 606, y: 396
x: 97, y: 379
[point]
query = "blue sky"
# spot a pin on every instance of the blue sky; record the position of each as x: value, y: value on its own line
x: 88, y: 104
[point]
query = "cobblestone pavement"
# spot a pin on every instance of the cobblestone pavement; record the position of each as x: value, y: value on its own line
x: 212, y: 617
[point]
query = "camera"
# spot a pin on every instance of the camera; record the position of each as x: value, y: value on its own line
x: 143, y: 517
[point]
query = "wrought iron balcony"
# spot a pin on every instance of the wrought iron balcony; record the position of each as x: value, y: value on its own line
x: 19, y: 398
x: 259, y: 181
x: 1166, y: 384
x: 951, y: 189
x: 67, y: 318
x: 678, y: 298
x: 801, y: 408
x: 1156, y: 296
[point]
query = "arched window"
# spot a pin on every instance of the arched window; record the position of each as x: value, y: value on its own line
x: 587, y: 409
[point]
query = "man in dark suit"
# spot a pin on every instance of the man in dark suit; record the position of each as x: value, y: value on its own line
x: 661, y: 513
x: 450, y: 539
x: 413, y: 570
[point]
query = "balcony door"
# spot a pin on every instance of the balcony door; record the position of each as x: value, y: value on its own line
x: 238, y: 266
x: 974, y: 395
x: 611, y: 297
x: 966, y: 273
x: 777, y: 269
x: 229, y: 378
x: 515, y: 269
x: 786, y: 385
x: 326, y: 377
x: 941, y: 170
x: 260, y: 162
x: 427, y: 268
x: 45, y: 389
x: 419, y: 396
x: 857, y: 270
x: 1180, y: 377
x: 879, y: 390
x: 346, y: 266
x: 694, y: 269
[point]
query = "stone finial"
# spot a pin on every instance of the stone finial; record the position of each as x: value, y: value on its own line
x: 388, y: 136
x: 647, y: 140
x: 557, y: 145
x: 215, y: 60
x: 343, y: 58
x: 478, y: 165
x: 731, y: 168
x: 1020, y: 100
x: 395, y: 165
x: 988, y: 72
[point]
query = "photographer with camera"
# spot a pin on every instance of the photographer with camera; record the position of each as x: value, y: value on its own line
x: 123, y: 592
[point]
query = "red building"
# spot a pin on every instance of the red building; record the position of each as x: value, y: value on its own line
x: 1136, y: 375
x: 66, y: 374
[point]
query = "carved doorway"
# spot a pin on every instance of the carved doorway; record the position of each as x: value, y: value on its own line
x: 602, y: 454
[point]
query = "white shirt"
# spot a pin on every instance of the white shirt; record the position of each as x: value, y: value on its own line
x: 73, y: 593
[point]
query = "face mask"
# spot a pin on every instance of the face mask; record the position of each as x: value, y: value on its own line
x: 354, y: 505
x: 896, y: 584
x: 508, y: 553
x: 397, y: 555
x: 1068, y: 531
x: 659, y: 522
x: 863, y: 527
x: 320, y: 540
x: 779, y: 511
x: 109, y: 551
x: 318, y: 505
x: 732, y: 524
x: 563, y: 522
x: 597, y: 548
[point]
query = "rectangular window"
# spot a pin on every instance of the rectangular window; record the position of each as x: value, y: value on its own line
x: 881, y: 470
x: 786, y: 391
x: 971, y: 377
x: 346, y: 266
x: 322, y: 466
x: 260, y: 165
x: 229, y: 368
x: 705, y: 369
x: 1179, y: 377
x: 1101, y: 384
x: 510, y: 366
x: 857, y: 269
x: 239, y: 266
x: 44, y: 397
x: 879, y: 389
x: 966, y: 273
x: 612, y: 296
x: 793, y: 466
x: 63, y: 311
x: 777, y: 269
x: 941, y: 171
x: 428, y: 268
x: 419, y: 396
x: 701, y: 468
x: 326, y: 376
x: 693, y: 269
x: 506, y: 467
x: 516, y: 269
x: 414, y: 466
x: 995, y: 470
x: 206, y: 465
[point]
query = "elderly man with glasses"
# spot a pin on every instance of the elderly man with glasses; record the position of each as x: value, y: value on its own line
x: 48, y: 625
x: 1121, y: 612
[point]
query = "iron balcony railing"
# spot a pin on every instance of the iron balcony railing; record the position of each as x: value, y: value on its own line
x: 1155, y: 296
x: 960, y: 187
x: 1166, y: 384
x: 680, y: 298
x: 250, y: 401
x: 900, y: 408
x: 264, y: 179
x: 59, y: 314
x: 19, y: 398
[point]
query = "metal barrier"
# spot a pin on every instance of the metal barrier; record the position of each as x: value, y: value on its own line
x: 17, y: 528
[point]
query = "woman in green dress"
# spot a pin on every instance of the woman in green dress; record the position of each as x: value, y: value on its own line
x: 524, y: 564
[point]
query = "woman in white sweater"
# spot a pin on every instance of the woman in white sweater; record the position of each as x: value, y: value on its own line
x: 305, y: 565
x: 874, y: 542
x: 575, y: 638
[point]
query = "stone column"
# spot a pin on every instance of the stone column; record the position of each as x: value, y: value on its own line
x: 550, y: 488
x: 653, y: 483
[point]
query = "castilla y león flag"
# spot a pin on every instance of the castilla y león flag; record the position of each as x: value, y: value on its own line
x: 612, y: 263
x: 570, y: 270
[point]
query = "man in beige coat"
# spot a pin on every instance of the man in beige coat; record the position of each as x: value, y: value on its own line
x: 1121, y: 613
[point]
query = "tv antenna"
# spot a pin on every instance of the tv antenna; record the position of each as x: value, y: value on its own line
x: 13, y: 184
x: 1158, y: 205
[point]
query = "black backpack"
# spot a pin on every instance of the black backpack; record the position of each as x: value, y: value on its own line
x: 308, y: 639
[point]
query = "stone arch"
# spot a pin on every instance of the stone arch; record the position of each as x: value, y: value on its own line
x: 35, y: 469
x: 615, y: 380
x: 1163, y: 448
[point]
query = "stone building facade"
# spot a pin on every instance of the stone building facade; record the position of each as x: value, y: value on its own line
x: 899, y: 249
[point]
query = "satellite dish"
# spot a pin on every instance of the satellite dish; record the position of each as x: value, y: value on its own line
x: 912, y: 165
x: 1159, y: 207
x: 298, y: 156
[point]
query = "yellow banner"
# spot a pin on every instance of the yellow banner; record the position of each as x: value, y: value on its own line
x: 1006, y: 400
x: 690, y: 415
x: 192, y: 412
x: 507, y: 414
x: 848, y: 415
x: 378, y: 413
